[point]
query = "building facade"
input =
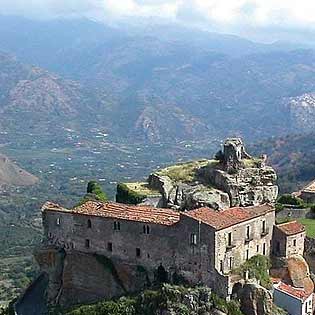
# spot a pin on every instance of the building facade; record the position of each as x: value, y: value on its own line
x: 288, y: 239
x: 294, y: 300
x: 204, y: 246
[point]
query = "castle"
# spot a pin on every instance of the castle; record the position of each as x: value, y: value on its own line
x: 143, y: 244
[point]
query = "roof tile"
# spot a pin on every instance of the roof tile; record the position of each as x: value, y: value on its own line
x: 226, y: 218
x: 291, y: 228
x: 114, y: 210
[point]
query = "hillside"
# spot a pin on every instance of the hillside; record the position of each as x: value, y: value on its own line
x: 293, y: 157
x: 11, y: 174
x: 146, y: 85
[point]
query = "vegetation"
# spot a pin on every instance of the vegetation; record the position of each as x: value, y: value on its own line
x: 288, y: 199
x: 168, y: 298
x: 126, y: 195
x: 309, y: 226
x: 258, y: 268
x: 94, y: 193
x: 185, y: 172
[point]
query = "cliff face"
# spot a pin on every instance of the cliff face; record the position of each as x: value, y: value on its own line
x: 70, y: 283
x: 234, y: 178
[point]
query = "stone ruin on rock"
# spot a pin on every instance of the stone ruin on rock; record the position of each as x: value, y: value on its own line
x: 233, y: 178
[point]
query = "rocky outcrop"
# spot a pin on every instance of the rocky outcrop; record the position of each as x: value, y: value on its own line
x: 256, y: 300
x: 69, y: 283
x: 293, y: 271
x: 233, y: 179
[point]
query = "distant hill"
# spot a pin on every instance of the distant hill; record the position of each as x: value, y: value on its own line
x: 293, y: 157
x: 12, y: 174
x: 160, y: 84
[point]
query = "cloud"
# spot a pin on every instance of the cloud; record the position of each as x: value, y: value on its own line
x: 223, y: 15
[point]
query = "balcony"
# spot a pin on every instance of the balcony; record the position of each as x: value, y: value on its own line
x: 249, y: 238
x: 265, y: 232
x: 230, y: 247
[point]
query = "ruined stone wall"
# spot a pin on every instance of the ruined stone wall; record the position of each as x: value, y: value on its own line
x: 240, y: 243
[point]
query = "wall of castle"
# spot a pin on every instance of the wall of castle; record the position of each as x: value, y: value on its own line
x: 186, y: 248
x: 230, y: 255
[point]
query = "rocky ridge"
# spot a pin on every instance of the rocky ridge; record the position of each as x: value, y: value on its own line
x: 233, y: 178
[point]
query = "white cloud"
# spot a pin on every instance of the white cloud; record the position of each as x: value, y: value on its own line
x: 225, y: 14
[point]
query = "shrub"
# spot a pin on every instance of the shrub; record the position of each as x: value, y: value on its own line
x: 125, y: 195
x: 288, y: 199
x: 258, y: 268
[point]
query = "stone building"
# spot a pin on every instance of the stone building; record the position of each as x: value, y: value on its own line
x: 202, y: 246
x: 288, y: 239
x: 296, y: 301
x: 308, y: 193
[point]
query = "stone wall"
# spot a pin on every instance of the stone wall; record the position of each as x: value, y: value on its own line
x: 287, y: 245
x: 258, y: 242
x: 168, y: 246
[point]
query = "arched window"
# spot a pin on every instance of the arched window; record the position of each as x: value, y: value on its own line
x: 89, y: 223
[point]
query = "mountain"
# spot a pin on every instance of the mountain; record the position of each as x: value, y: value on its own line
x: 293, y: 157
x: 163, y: 83
x: 12, y: 174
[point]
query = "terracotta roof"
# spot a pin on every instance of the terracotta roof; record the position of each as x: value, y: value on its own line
x: 295, y: 292
x: 226, y: 218
x: 291, y: 228
x: 114, y: 210
x: 310, y: 188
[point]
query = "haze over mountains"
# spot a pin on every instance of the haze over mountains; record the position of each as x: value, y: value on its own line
x: 159, y: 85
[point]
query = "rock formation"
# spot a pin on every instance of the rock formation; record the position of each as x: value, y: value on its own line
x: 234, y: 178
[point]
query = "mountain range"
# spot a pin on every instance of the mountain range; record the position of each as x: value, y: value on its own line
x: 152, y: 85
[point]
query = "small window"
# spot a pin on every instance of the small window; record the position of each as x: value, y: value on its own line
x: 58, y: 221
x: 221, y: 265
x: 230, y: 239
x: 247, y: 254
x: 231, y: 262
x: 146, y: 229
x: 193, y: 239
x: 87, y: 243
x: 294, y: 242
x: 138, y: 252
x: 264, y: 249
x: 89, y: 224
x: 264, y: 226
x: 117, y: 226
x: 257, y: 248
x: 247, y: 232
x: 110, y: 247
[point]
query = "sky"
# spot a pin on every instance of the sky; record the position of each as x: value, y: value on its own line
x: 230, y: 16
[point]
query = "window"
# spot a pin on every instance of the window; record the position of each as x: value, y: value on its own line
x: 294, y: 242
x: 117, y: 226
x: 193, y: 239
x: 230, y: 239
x: 231, y: 262
x: 146, y: 229
x: 58, y: 221
x: 87, y: 243
x: 138, y: 252
x: 248, y: 232
x: 264, y: 226
x: 257, y: 248
x: 247, y: 254
x: 89, y: 224
x: 221, y: 265
x: 264, y: 249
x: 110, y: 247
